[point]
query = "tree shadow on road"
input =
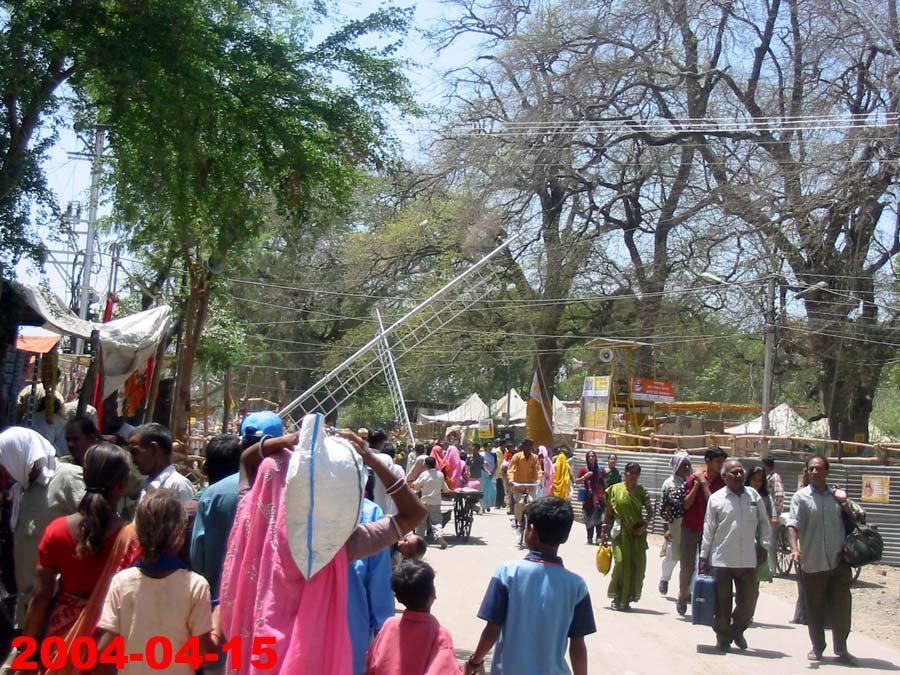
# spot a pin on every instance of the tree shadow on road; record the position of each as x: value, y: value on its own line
x: 471, y: 541
x: 758, y: 653
x: 639, y: 610
x: 875, y: 664
x: 773, y: 626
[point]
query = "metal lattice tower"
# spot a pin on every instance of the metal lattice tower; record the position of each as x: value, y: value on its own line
x: 393, y: 381
x: 408, y: 332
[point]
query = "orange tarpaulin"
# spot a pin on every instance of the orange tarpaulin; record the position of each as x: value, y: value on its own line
x: 37, y: 344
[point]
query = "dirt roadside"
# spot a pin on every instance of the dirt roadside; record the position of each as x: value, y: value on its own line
x: 876, y: 601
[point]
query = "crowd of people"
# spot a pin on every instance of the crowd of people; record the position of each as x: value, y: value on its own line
x: 114, y: 549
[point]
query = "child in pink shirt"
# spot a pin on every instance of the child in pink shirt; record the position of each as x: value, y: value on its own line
x: 414, y: 644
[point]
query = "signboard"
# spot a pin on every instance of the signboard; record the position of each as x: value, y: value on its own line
x: 645, y: 389
x: 486, y: 430
x: 595, y: 407
x: 596, y: 385
x: 876, y: 489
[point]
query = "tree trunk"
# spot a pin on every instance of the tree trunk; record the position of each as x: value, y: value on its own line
x: 196, y: 314
x: 848, y: 390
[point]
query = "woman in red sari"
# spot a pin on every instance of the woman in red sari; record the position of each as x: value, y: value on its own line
x: 83, y: 551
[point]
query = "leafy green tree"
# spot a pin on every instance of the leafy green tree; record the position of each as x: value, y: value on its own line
x: 236, y: 120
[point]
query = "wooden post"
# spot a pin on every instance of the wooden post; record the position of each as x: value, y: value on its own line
x: 150, y: 407
x: 90, y: 379
x: 226, y: 402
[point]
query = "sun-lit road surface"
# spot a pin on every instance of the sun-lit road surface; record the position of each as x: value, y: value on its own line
x: 651, y: 638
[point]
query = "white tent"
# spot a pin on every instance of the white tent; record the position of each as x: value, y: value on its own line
x: 472, y: 409
x: 517, y: 407
x: 785, y: 421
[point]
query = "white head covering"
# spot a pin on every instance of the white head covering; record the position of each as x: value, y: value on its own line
x: 678, y: 460
x: 20, y: 450
x: 324, y: 488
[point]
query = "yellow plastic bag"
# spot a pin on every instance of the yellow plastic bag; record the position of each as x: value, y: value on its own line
x: 604, y: 559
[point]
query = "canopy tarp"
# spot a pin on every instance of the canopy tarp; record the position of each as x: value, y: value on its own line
x: 125, y: 343
x: 517, y: 407
x: 472, y: 409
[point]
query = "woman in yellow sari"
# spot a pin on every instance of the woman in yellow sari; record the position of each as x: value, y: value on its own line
x: 561, y: 476
x: 624, y: 502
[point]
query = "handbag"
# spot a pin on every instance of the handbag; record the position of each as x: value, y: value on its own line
x: 862, y: 546
x: 582, y: 494
x: 604, y: 559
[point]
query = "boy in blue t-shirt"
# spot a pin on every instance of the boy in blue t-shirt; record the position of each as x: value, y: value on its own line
x: 537, y: 587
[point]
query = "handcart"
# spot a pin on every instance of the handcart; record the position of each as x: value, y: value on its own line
x: 464, y: 501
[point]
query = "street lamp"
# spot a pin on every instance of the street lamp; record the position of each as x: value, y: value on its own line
x: 768, y: 332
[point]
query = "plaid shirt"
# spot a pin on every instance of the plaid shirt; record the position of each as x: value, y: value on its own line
x: 776, y: 491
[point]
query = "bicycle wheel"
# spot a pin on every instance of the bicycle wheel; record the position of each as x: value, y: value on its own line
x: 783, y: 562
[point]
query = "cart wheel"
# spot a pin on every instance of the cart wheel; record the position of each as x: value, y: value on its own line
x: 783, y: 562
x: 458, y: 517
x: 467, y: 523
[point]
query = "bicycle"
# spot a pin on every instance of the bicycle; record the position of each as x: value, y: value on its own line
x: 528, y: 492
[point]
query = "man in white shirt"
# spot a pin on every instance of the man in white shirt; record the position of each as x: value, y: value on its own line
x: 377, y: 441
x: 432, y: 483
x: 736, y: 536
x: 150, y: 446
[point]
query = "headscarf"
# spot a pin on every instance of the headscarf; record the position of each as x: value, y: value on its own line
x: 20, y: 450
x: 678, y: 460
x: 561, y: 477
x: 456, y: 465
x: 546, y: 467
x: 438, y: 453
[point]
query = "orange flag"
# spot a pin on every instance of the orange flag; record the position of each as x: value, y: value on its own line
x: 539, y: 416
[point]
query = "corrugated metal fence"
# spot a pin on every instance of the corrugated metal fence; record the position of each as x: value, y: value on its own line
x: 886, y: 517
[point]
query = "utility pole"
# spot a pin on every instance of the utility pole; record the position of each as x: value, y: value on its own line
x: 96, y: 172
x: 769, y: 359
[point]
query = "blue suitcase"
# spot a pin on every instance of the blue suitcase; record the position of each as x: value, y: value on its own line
x: 703, y: 600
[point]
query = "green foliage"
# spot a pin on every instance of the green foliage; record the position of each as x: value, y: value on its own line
x: 224, y: 343
x: 372, y: 409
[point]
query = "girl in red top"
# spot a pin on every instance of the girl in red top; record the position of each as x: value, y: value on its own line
x: 83, y: 551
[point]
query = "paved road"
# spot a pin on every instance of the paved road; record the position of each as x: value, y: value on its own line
x: 651, y: 638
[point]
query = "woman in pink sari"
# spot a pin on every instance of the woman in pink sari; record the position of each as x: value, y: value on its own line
x: 438, y: 453
x: 548, y: 469
x: 265, y: 596
x: 455, y: 467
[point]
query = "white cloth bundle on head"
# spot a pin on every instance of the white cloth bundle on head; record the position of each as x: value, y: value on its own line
x: 678, y: 460
x: 324, y: 490
x: 20, y: 450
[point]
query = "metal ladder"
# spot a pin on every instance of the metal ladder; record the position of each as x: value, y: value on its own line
x: 408, y: 332
x: 393, y: 381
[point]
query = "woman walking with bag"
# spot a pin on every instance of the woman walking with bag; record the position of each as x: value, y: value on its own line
x: 624, y: 502
x: 591, y: 477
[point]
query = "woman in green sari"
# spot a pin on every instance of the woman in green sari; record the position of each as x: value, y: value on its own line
x: 624, y: 503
